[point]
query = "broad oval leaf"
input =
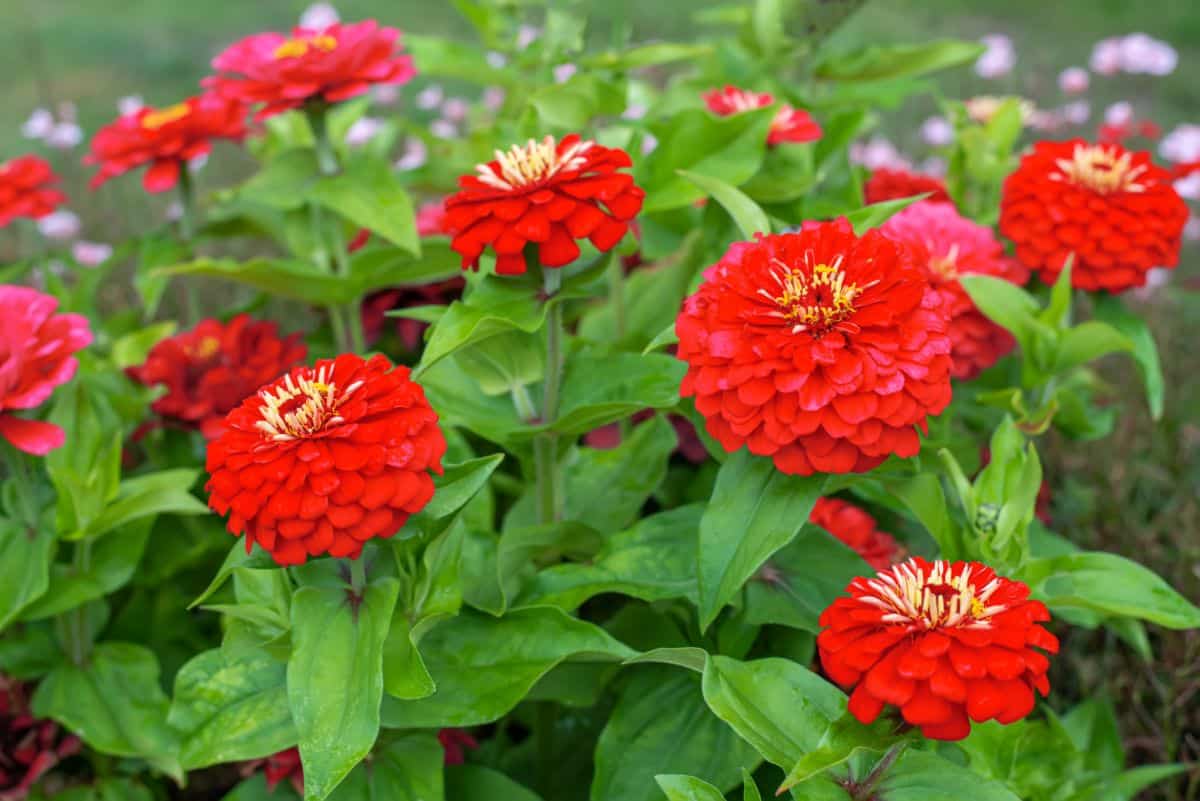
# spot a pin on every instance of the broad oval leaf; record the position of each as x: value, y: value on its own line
x: 25, y: 556
x: 747, y: 215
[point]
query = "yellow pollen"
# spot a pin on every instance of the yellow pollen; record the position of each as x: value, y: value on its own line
x: 206, y: 348
x: 977, y: 608
x: 1097, y: 167
x: 937, y: 597
x: 945, y: 267
x: 300, y: 46
x: 816, y: 302
x: 302, y: 407
x: 164, y: 116
x: 532, y: 163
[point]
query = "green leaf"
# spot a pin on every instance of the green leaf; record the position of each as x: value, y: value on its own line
x: 1087, y: 341
x: 283, y: 181
x: 483, y: 666
x: 25, y: 557
x: 599, y: 389
x: 504, y: 363
x: 115, y: 704
x: 404, y: 673
x: 876, y: 214
x: 475, y: 782
x: 572, y: 104
x: 896, y: 61
x: 924, y: 776
x: 377, y: 267
x: 367, y: 193
x: 164, y: 492
x: 661, y: 724
x: 110, y: 567
x: 923, y: 496
x: 407, y: 769
x: 844, y: 740
x: 662, y: 339
x: 688, y: 658
x: 1110, y: 309
x: 446, y: 58
x: 1011, y: 308
x: 131, y: 350
x: 749, y: 787
x: 459, y: 483
x: 230, y: 709
x: 292, y: 279
x: 688, y: 788
x: 335, y: 678
x: 238, y: 556
x: 755, y: 510
x: 746, y: 214
x: 647, y: 55
x: 1109, y: 584
x: 255, y: 789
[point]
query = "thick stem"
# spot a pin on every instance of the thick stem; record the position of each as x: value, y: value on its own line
x: 326, y: 158
x: 75, y: 622
x: 548, y: 472
x: 865, y: 790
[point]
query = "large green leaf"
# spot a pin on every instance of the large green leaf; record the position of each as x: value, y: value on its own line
x: 474, y: 782
x: 747, y: 215
x: 878, y: 62
x: 407, y: 769
x: 164, y: 492
x: 1087, y: 341
x: 377, y: 267
x: 924, y: 776
x: 25, y: 557
x: 335, y: 677
x: 601, y: 388
x: 285, y: 278
x: 755, y: 510
x: 367, y: 193
x: 687, y: 788
x: 483, y: 666
x: 1110, y: 309
x: 573, y: 103
x: 459, y: 483
x: 115, y: 704
x: 111, y: 564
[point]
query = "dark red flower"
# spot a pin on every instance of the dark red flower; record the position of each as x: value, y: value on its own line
x: 543, y: 193
x: 687, y: 441
x: 28, y: 188
x: 1111, y: 132
x: 888, y: 184
x: 37, y: 353
x: 790, y: 124
x: 29, y: 748
x: 376, y: 306
x: 1112, y: 209
x: 856, y: 529
x: 453, y: 742
x: 820, y: 349
x: 283, y: 766
x: 946, y: 642
x: 948, y: 245
x: 166, y: 139
x: 329, y: 65
x: 209, y: 370
x: 325, y: 458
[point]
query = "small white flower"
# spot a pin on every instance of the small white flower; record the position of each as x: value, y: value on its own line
x: 1189, y: 186
x: 65, y: 136
x: 91, y: 254
x: 1106, y: 57
x: 415, y: 155
x: 1119, y: 113
x: 386, y: 94
x: 878, y: 152
x: 1142, y: 54
x: 649, y: 143
x: 527, y: 35
x: 455, y: 109
x: 39, y: 125
x: 1073, y: 80
x: 495, y: 60
x: 634, y: 111
x: 563, y: 72
x: 493, y: 98
x: 937, y: 132
x: 197, y: 164
x: 319, y: 16
x: 430, y: 97
x: 443, y: 129
x: 61, y: 225
x: 174, y: 211
x: 934, y: 165
x: 363, y: 130
x: 1191, y: 230
x: 130, y: 104
x: 999, y: 57
x: 1077, y: 112
x: 1181, y: 144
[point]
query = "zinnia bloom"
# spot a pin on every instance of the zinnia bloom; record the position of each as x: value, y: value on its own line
x: 280, y: 767
x: 37, y: 350
x: 166, y: 139
x: 209, y: 370
x: 1112, y: 209
x: 329, y: 65
x: 27, y: 189
x: 948, y: 245
x: 946, y: 642
x: 325, y: 458
x: 546, y: 193
x: 790, y: 124
x: 454, y: 741
x: 893, y: 184
x: 856, y: 529
x: 29, y: 747
x: 820, y: 349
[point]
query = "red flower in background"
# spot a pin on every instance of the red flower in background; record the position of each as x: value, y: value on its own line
x: 29, y: 748
x: 543, y: 193
x: 790, y: 124
x: 1111, y: 208
x: 431, y: 218
x: 28, y: 189
x: 166, y: 139
x: 948, y: 245
x: 946, y: 642
x: 325, y: 458
x: 328, y: 65
x: 888, y: 184
x: 1118, y: 132
x: 856, y: 529
x: 820, y: 349
x: 37, y: 350
x: 280, y: 767
x: 209, y: 370
x: 687, y: 441
x: 453, y: 742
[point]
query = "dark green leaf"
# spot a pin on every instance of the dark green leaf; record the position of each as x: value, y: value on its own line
x: 110, y: 566
x: 407, y: 769
x: 25, y: 557
x: 599, y: 389
x: 459, y: 484
x: 924, y: 776
x: 293, y: 279
x: 476, y: 783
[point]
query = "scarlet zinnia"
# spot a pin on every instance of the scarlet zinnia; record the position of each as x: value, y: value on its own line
x: 279, y: 767
x: 948, y: 245
x: 790, y: 124
x: 27, y: 189
x: 820, y: 349
x: 946, y: 642
x: 212, y: 368
x: 856, y: 529
x: 888, y: 184
x: 546, y: 193
x: 330, y: 65
x: 1112, y: 209
x: 325, y: 458
x: 29, y: 748
x: 454, y: 741
x: 37, y: 350
x: 166, y: 139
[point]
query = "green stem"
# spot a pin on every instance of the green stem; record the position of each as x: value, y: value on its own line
x: 75, y: 622
x: 326, y: 157
x: 337, y: 322
x: 358, y: 575
x: 865, y: 791
x: 187, y: 203
x: 547, y: 471
x: 616, y: 296
x: 523, y: 403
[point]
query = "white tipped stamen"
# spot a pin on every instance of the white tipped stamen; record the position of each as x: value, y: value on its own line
x: 532, y: 163
x: 1097, y: 167
x: 939, y: 598
x: 318, y: 398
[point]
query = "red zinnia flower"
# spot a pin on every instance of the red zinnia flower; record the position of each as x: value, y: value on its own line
x: 948, y: 245
x: 166, y: 139
x: 376, y: 306
x: 888, y: 184
x: 27, y: 189
x: 29, y: 747
x: 545, y: 193
x: 431, y: 218
x: 946, y: 642
x: 325, y: 458
x: 212, y: 368
x: 1111, y: 208
x: 1119, y: 132
x: 790, y: 124
x: 333, y: 64
x: 36, y: 355
x: 283, y: 766
x: 453, y: 742
x: 687, y: 441
x: 855, y: 528
x: 820, y: 349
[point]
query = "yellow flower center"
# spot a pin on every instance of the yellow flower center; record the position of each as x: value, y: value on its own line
x: 532, y: 163
x: 164, y: 116
x: 302, y: 407
x: 1099, y: 168
x: 301, y: 45
x: 945, y: 267
x: 816, y: 300
x: 206, y: 348
x: 933, y: 598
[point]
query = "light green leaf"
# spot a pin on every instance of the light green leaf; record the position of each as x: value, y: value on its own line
x: 25, y: 557
x: 1087, y: 341
x: 647, y: 55
x: 878, y: 62
x: 367, y: 193
x: 292, y: 279
x: 876, y: 214
x: 407, y: 769
x: 601, y: 388
x: 925, y: 776
x: 662, y: 339
x: 459, y: 483
x: 688, y: 788
x: 164, y: 492
x: 131, y: 350
x: 1110, y: 309
x: 112, y: 562
x: 475, y: 782
x: 747, y: 215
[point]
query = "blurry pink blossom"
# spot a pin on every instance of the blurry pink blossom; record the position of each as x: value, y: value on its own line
x: 1191, y: 231
x: 1156, y: 279
x: 999, y: 57
x: 430, y: 97
x: 649, y: 143
x: 495, y: 60
x: 1046, y: 120
x: 1106, y: 57
x: 877, y: 152
x: 39, y: 125
x: 386, y: 94
x: 493, y: 98
x: 455, y: 109
x: 1077, y: 112
x: 1189, y: 186
x: 934, y: 165
x: 563, y: 72
x: 363, y: 130
x: 1145, y: 55
x: 130, y: 104
x: 634, y: 111
x: 319, y: 16
x: 527, y: 35
x: 414, y: 156
x: 65, y: 136
x: 443, y: 129
x: 1181, y: 144
x: 91, y: 254
x: 937, y: 131
x: 174, y: 211
x: 1119, y: 113
x: 1073, y: 80
x: 61, y: 225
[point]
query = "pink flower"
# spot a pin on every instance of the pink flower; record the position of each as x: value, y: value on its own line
x: 527, y: 35
x: 91, y: 254
x: 455, y: 109
x: 319, y: 16
x: 129, y: 105
x: 878, y: 153
x: 363, y: 130
x: 453, y: 742
x: 414, y: 156
x: 1182, y: 144
x: 430, y: 97
x: 36, y: 355
x: 1073, y: 80
x: 61, y: 225
x: 1142, y: 54
x: 1191, y: 230
x: 999, y: 58
x: 1119, y: 113
x: 937, y: 131
x: 1077, y: 112
x: 39, y: 125
x: 563, y: 72
x: 493, y: 98
x: 1106, y: 57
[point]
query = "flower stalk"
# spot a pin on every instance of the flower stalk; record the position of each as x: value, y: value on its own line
x: 548, y: 472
